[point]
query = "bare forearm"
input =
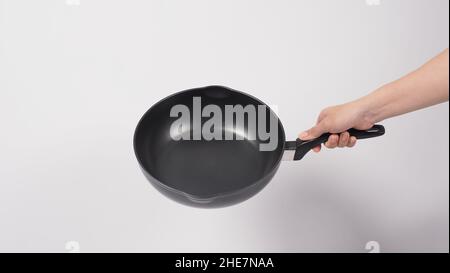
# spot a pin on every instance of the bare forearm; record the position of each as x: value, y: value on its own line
x: 426, y: 86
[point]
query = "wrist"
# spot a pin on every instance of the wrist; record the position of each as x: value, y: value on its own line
x: 378, y: 105
x: 367, y: 109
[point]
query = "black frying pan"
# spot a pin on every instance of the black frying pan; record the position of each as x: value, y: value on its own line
x: 213, y: 173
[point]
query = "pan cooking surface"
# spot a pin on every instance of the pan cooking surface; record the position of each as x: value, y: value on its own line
x: 207, y: 168
x: 203, y: 168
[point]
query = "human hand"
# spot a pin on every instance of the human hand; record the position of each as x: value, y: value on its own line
x: 337, y: 120
x: 421, y: 88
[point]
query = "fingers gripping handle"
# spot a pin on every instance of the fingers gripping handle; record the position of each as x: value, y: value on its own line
x: 301, y: 147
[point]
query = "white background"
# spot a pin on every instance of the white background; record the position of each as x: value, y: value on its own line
x: 75, y: 79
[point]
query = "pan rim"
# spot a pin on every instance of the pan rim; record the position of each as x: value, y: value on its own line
x: 208, y: 198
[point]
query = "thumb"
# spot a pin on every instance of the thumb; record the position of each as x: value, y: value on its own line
x: 314, y: 132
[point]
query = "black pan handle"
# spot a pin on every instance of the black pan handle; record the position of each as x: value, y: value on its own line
x: 302, y: 147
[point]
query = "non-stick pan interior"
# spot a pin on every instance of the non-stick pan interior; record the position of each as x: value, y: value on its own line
x: 203, y: 168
